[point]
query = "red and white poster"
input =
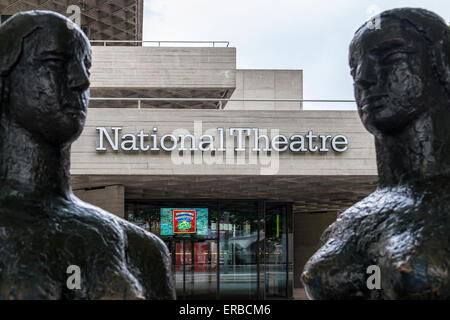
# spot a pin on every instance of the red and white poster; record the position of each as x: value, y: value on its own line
x: 184, y: 221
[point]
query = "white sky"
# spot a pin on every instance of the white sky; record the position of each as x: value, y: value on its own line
x: 279, y: 34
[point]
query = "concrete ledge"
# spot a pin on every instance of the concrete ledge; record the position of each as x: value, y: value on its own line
x: 163, y: 67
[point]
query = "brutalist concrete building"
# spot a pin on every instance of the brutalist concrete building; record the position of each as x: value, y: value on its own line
x: 223, y: 164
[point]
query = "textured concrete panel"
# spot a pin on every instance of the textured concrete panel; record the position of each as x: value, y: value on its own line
x: 288, y: 85
x: 267, y: 84
x: 307, y: 231
x: 110, y: 198
x: 165, y: 67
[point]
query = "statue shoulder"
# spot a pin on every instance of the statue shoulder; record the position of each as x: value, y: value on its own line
x: 149, y: 256
x: 383, y: 200
x: 145, y: 242
x: 145, y: 255
x: 92, y: 215
x: 371, y: 207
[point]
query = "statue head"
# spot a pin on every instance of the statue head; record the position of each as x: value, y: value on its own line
x: 44, y: 75
x: 401, y: 69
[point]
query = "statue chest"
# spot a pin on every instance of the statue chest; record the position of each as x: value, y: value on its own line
x: 55, y: 263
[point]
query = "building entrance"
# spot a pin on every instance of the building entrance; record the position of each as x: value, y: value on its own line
x: 222, y: 249
x: 195, y: 267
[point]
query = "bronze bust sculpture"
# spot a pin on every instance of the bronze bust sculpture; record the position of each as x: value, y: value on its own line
x: 402, y: 86
x: 44, y: 228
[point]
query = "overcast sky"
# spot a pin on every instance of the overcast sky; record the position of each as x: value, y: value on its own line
x: 279, y: 34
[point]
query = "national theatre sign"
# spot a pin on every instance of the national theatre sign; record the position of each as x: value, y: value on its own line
x: 144, y: 141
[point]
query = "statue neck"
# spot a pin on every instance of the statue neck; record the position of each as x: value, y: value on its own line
x: 31, y: 168
x: 420, y: 152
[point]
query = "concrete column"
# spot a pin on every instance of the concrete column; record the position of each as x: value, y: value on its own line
x: 308, y: 227
x: 110, y: 198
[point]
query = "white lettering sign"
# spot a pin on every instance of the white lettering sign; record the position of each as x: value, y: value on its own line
x: 143, y: 141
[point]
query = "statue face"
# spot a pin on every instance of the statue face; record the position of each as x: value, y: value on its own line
x: 49, y: 86
x: 392, y: 76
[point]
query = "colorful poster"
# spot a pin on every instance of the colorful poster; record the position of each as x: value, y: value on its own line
x: 199, y: 224
x: 184, y: 221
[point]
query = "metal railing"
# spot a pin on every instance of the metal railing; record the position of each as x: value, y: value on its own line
x: 158, y: 42
x: 220, y: 101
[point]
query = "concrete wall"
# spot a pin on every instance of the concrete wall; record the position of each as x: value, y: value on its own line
x: 267, y: 84
x: 165, y: 67
x: 307, y: 231
x: 359, y: 159
x: 110, y: 198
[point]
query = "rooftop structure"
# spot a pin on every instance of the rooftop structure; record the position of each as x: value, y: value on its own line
x: 100, y: 19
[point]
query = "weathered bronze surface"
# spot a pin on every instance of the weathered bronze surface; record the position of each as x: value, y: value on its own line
x: 402, y: 86
x: 44, y: 228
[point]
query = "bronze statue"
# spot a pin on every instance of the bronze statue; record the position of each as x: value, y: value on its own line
x: 402, y: 86
x: 44, y: 228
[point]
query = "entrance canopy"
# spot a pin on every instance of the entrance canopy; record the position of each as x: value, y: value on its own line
x: 308, y: 193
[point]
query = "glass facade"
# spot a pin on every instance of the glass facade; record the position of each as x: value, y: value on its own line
x: 223, y: 249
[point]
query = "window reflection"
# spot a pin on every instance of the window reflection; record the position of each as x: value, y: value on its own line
x: 276, y: 252
x: 239, y: 249
x: 223, y: 262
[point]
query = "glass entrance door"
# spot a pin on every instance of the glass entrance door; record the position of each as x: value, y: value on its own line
x: 242, y: 253
x: 239, y: 244
x: 182, y: 259
x: 276, y: 250
x: 195, y: 268
x: 203, y: 277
